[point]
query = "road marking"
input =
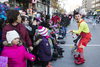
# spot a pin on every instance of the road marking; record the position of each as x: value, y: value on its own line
x: 91, y: 45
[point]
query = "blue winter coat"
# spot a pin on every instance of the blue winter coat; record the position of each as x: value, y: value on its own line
x: 44, y: 50
x: 3, y: 8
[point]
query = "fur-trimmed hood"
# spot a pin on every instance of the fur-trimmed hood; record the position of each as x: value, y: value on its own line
x: 5, y: 43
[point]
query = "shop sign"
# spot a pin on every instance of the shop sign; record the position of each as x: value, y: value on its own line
x: 98, y: 10
x: 34, y: 1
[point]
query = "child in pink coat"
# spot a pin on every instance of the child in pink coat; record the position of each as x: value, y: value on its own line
x: 15, y: 51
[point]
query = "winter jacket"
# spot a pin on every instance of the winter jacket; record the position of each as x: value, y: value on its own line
x: 3, y: 8
x: 21, y: 30
x: 1, y: 23
x: 16, y: 54
x: 65, y: 21
x: 70, y: 17
x: 44, y: 50
x: 54, y: 19
x: 1, y: 46
x: 31, y: 32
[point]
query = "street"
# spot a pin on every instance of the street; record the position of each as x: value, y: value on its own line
x: 91, y: 52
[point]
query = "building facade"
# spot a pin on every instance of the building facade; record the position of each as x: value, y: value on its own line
x: 86, y: 6
x: 96, y: 6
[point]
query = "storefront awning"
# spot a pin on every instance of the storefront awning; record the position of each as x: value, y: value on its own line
x: 98, y: 10
x: 2, y: 1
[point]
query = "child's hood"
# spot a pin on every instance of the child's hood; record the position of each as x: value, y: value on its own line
x: 5, y: 43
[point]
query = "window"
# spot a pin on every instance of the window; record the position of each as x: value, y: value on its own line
x: 93, y: 6
x: 93, y: 2
x: 97, y: 0
x: 11, y: 3
x: 17, y: 3
x: 97, y: 4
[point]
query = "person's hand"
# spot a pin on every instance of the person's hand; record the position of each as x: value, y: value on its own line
x: 67, y: 25
x: 82, y: 46
x: 69, y: 31
x: 7, y: 65
x: 31, y: 48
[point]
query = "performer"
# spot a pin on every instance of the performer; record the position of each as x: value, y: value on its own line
x: 84, y: 31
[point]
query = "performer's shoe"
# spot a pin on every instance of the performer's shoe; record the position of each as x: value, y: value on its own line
x: 77, y: 56
x: 79, y: 61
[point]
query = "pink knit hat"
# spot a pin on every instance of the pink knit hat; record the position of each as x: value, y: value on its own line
x: 43, y: 31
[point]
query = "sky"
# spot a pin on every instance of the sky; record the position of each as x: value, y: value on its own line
x: 75, y: 2
x: 69, y: 3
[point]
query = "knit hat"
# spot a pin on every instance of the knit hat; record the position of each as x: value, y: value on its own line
x: 16, y: 7
x: 11, y: 35
x: 43, y: 31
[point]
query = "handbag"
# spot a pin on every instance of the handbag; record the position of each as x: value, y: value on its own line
x: 25, y: 44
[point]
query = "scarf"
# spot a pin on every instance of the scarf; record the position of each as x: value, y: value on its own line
x: 27, y: 26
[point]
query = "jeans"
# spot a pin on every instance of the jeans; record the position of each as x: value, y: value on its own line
x: 64, y: 31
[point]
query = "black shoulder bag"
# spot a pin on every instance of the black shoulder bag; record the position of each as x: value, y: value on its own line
x: 25, y: 44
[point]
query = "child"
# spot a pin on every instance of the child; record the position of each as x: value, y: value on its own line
x: 15, y: 51
x: 44, y: 50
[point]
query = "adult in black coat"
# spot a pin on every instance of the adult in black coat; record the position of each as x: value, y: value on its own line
x: 64, y: 24
x: 31, y: 30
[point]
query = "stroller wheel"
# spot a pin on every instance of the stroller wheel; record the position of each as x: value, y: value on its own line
x: 73, y: 49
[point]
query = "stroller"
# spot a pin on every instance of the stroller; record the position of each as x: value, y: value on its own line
x: 75, y: 45
x: 75, y: 41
